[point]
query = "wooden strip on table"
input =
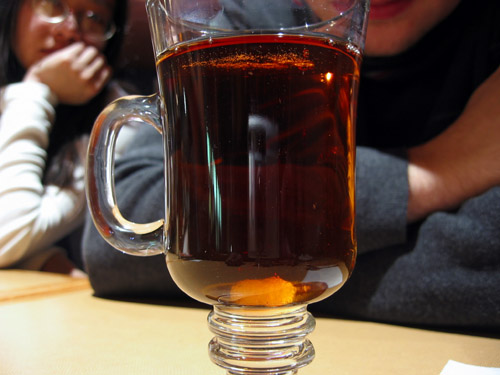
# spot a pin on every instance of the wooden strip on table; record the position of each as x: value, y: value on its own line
x: 20, y: 285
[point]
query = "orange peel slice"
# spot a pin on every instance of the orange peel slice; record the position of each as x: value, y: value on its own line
x: 272, y: 291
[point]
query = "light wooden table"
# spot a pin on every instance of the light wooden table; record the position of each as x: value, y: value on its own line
x: 61, y: 328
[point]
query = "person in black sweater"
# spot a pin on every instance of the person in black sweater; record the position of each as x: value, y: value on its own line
x: 427, y: 174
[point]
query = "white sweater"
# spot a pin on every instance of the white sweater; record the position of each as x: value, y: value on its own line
x: 32, y: 216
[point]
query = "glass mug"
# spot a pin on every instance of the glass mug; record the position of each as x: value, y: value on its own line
x: 256, y: 107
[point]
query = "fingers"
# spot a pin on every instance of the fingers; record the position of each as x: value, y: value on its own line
x: 101, y: 77
x: 85, y: 57
x: 91, y: 66
x: 73, y: 49
x: 89, y: 62
x: 97, y: 73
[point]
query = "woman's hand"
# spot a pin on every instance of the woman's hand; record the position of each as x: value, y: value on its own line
x: 461, y: 162
x: 75, y: 74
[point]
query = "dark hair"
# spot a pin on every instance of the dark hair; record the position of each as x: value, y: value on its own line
x: 11, y: 70
x: 71, y: 121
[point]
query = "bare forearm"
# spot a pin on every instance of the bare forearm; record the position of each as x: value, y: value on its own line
x: 461, y: 162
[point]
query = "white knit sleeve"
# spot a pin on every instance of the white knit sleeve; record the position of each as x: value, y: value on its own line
x: 32, y: 216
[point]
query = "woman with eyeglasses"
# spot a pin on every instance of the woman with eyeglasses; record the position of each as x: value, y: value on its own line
x: 56, y: 59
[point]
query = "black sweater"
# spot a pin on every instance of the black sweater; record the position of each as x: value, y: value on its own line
x: 442, y: 271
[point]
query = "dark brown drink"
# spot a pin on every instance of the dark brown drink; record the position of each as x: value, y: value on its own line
x: 261, y: 190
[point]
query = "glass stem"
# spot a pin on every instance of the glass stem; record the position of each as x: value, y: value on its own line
x: 256, y: 341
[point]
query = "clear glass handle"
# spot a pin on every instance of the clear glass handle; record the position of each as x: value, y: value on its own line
x: 129, y: 237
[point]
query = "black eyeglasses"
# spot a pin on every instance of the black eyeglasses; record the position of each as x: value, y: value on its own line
x: 92, y: 25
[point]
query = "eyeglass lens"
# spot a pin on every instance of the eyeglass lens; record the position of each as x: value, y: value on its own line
x: 92, y: 24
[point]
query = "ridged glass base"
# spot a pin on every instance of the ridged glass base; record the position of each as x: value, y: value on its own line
x: 261, y: 340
